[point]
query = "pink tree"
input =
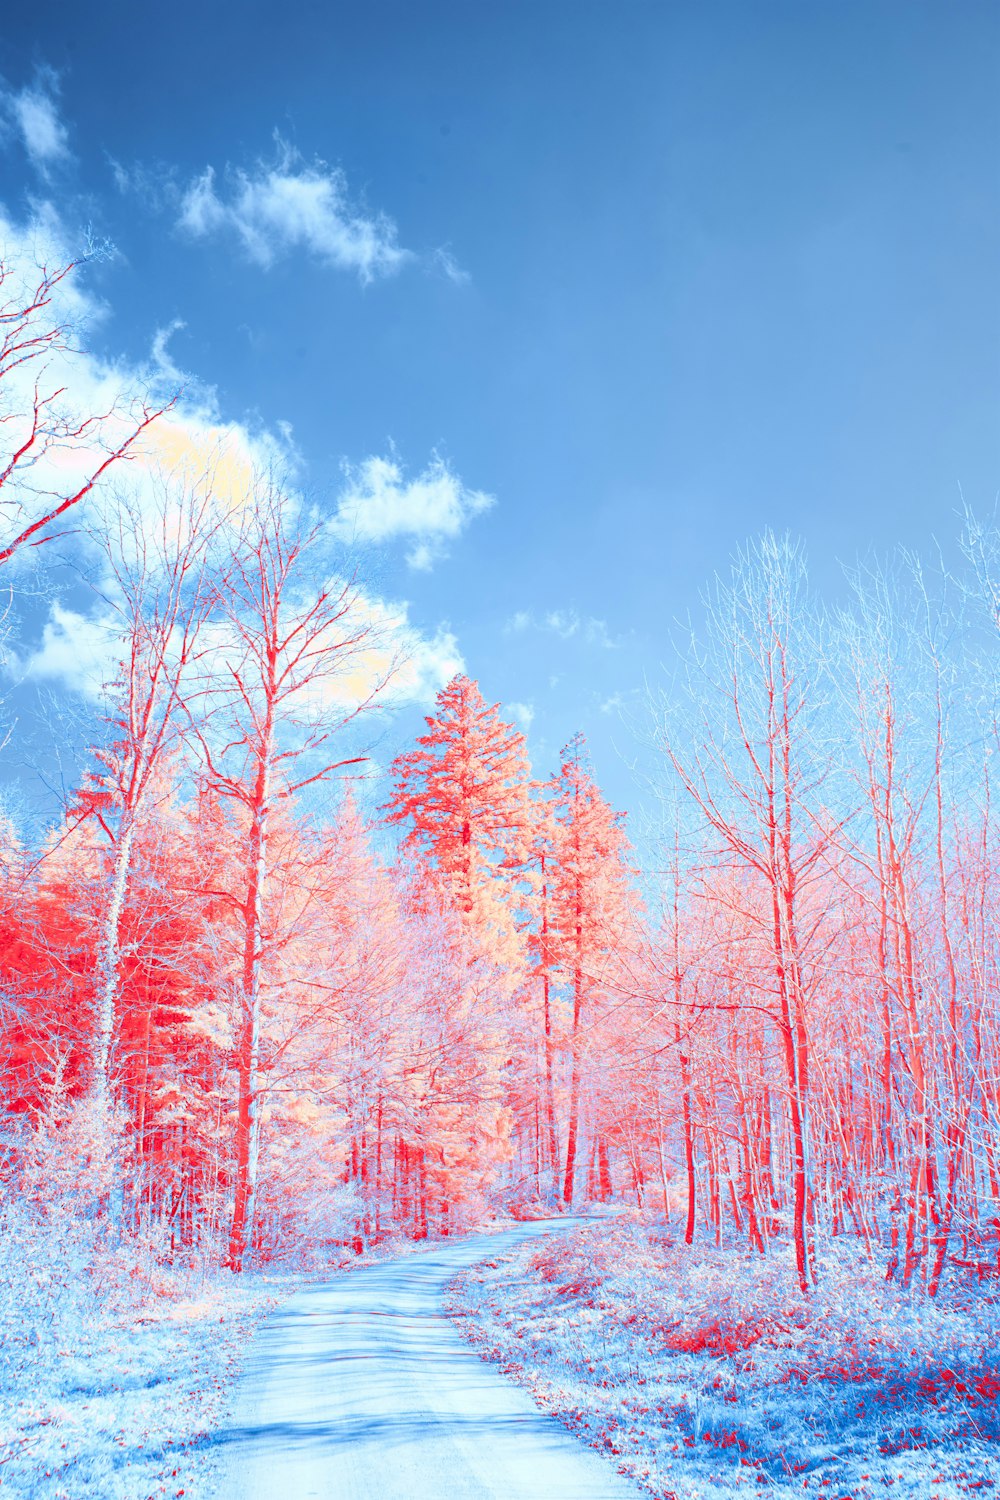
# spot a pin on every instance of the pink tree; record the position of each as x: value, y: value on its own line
x: 293, y: 665
x: 590, y: 900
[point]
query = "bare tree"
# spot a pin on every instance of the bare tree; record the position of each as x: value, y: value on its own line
x: 744, y: 751
x: 294, y: 663
x: 158, y: 549
x: 52, y: 453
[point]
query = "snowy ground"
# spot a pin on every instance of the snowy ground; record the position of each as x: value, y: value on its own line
x: 360, y: 1388
x: 697, y: 1373
x: 112, y: 1390
x: 704, y: 1373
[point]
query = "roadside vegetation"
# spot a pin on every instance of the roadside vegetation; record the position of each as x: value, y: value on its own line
x: 704, y: 1372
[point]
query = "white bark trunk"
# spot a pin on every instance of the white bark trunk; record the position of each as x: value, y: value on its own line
x: 108, y: 974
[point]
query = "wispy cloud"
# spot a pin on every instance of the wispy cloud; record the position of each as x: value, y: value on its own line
x: 163, y: 360
x: 379, y: 504
x: 523, y: 714
x: 82, y: 652
x: 33, y: 113
x: 426, y: 662
x: 443, y: 260
x: 286, y: 205
x: 156, y: 187
x: 567, y: 624
x: 564, y: 622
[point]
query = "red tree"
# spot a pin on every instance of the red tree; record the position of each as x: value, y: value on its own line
x: 293, y: 665
x: 463, y: 794
x: 590, y: 899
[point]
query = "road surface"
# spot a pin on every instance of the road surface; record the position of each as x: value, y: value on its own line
x: 362, y: 1389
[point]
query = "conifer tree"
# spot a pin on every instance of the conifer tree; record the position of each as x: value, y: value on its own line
x: 464, y: 793
x: 589, y: 889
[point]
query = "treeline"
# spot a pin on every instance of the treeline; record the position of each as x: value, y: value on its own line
x: 827, y: 955
x: 287, y: 1037
x: 239, y: 1017
x: 406, y: 1043
x: 233, y: 1015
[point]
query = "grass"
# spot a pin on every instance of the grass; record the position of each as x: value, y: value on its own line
x: 705, y: 1372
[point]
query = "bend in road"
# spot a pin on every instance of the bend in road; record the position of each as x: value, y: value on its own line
x: 361, y: 1388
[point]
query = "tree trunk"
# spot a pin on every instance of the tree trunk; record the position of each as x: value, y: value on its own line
x: 109, y: 961
x: 248, y: 1057
x: 688, y: 1144
x: 574, y: 1092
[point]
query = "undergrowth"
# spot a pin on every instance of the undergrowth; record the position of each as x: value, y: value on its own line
x: 704, y: 1372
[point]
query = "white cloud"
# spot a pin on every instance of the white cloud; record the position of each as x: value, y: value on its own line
x: 428, y: 662
x: 162, y: 358
x: 275, y: 209
x: 183, y: 449
x: 77, y: 651
x: 121, y: 174
x: 524, y: 714
x: 201, y: 211
x: 192, y: 442
x: 395, y: 662
x: 566, y: 624
x: 443, y: 260
x: 32, y: 111
x: 155, y: 187
x: 391, y: 664
x: 43, y: 132
x: 596, y: 634
x: 379, y: 504
x: 94, y: 405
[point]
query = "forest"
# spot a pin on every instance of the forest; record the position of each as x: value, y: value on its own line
x: 267, y: 1000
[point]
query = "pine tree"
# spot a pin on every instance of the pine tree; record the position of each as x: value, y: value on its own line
x: 464, y: 794
x: 589, y: 904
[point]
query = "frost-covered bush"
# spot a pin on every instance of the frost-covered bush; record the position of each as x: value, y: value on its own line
x: 113, y: 1363
x: 306, y: 1231
x: 703, y: 1371
x: 54, y: 1247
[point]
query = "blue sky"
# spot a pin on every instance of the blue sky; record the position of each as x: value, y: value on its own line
x: 652, y: 276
